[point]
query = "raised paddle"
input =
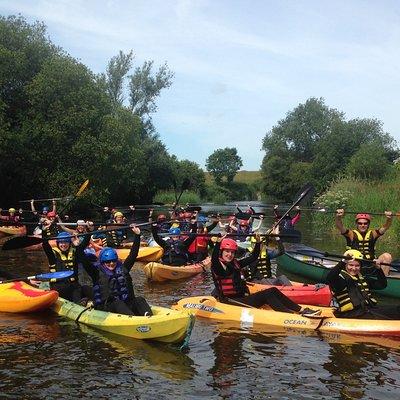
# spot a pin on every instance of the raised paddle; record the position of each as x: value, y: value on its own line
x: 49, y: 199
x: 20, y: 242
x: 50, y: 276
x: 185, y: 185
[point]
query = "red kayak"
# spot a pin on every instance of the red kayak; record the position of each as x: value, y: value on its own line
x: 301, y: 293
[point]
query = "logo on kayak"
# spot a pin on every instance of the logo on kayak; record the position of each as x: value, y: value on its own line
x: 202, y: 307
x: 143, y: 329
x: 294, y: 322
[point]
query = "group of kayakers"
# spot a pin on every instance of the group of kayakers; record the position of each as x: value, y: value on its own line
x: 185, y: 238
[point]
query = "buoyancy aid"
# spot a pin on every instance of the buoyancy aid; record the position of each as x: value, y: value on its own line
x: 262, y: 268
x: 233, y: 283
x: 65, y: 261
x: 199, y: 245
x: 356, y: 293
x: 50, y: 231
x: 112, y: 285
x: 11, y: 219
x: 365, y: 244
x: 175, y: 253
x: 113, y: 238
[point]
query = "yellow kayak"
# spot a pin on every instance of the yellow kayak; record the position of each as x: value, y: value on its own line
x: 209, y: 307
x: 18, y: 297
x: 146, y: 254
x: 12, y: 230
x: 161, y: 272
x: 165, y: 325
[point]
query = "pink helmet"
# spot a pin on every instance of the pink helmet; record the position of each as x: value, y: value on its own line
x: 363, y: 216
x: 161, y: 218
x: 51, y: 214
x: 228, y: 244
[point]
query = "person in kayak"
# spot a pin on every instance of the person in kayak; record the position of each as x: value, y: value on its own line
x: 175, y: 247
x: 230, y: 285
x: 68, y: 253
x: 45, y: 210
x: 363, y: 238
x: 163, y: 225
x: 112, y: 282
x: 352, y: 290
x: 288, y: 222
x: 113, y: 238
x: 11, y: 218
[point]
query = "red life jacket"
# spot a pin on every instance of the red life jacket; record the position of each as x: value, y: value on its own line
x: 232, y: 285
x: 199, y: 245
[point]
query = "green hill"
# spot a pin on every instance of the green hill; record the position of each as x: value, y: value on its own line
x: 241, y: 176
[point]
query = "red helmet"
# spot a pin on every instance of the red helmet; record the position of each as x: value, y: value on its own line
x: 161, y: 218
x: 363, y: 216
x: 249, y: 211
x: 228, y: 244
x: 51, y: 214
x: 187, y: 215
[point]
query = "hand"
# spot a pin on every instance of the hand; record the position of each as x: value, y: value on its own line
x: 105, y: 209
x: 90, y: 225
x: 257, y: 237
x: 389, y: 214
x: 276, y: 206
x: 34, y: 282
x: 377, y: 263
x: 75, y: 240
x: 151, y: 211
x: 340, y: 212
x: 297, y: 208
x: 32, y: 201
x: 132, y: 208
x: 261, y: 216
x: 53, y: 202
x: 135, y: 229
x: 20, y: 210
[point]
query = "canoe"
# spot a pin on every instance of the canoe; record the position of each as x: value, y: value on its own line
x: 161, y: 272
x: 12, y: 230
x: 300, y: 293
x: 316, y: 268
x: 166, y: 325
x: 19, y: 297
x: 146, y: 253
x: 209, y: 307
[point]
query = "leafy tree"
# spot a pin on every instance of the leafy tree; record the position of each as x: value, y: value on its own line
x: 190, y: 171
x: 224, y: 163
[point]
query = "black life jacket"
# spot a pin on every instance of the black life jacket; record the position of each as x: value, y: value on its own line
x: 112, y: 285
x: 65, y: 261
x: 175, y: 253
x: 113, y: 238
x: 356, y: 294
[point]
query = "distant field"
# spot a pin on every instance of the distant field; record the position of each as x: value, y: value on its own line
x: 241, y: 176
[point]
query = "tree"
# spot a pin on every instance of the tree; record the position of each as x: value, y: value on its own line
x: 224, y: 163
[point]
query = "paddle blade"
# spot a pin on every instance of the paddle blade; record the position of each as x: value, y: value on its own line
x: 20, y: 242
x: 54, y: 275
x: 82, y: 188
x: 185, y: 184
x: 305, y: 194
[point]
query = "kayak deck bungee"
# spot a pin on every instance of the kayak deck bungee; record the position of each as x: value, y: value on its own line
x: 19, y: 297
x: 299, y: 292
x: 157, y: 272
x: 209, y: 307
x: 165, y: 325
x: 316, y: 268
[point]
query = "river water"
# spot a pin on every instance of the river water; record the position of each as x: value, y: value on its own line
x: 44, y: 356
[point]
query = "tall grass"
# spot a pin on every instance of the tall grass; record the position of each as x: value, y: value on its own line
x: 168, y: 197
x: 355, y: 195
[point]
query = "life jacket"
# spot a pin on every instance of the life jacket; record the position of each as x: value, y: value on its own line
x: 50, y: 232
x: 199, y: 245
x: 365, y: 244
x: 233, y: 284
x: 286, y: 224
x: 11, y: 219
x: 262, y: 267
x: 356, y: 293
x: 113, y: 238
x: 112, y: 285
x: 175, y: 253
x: 65, y: 261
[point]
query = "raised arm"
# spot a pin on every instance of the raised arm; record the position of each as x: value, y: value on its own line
x: 339, y: 221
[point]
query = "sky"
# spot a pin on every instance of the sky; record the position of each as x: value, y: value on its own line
x: 240, y: 66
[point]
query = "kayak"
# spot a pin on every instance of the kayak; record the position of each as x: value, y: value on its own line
x: 39, y: 246
x: 20, y: 297
x: 315, y: 268
x: 12, y: 230
x: 249, y: 317
x: 318, y: 295
x: 146, y: 253
x: 166, y: 325
x: 161, y: 272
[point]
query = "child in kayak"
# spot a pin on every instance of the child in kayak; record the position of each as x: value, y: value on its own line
x: 112, y: 282
x: 231, y: 287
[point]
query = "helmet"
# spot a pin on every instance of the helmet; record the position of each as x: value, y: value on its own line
x: 108, y: 254
x: 202, y: 219
x: 363, y: 216
x: 244, y: 222
x: 45, y: 209
x: 118, y: 214
x: 249, y: 211
x: 11, y: 210
x: 51, y: 214
x: 187, y: 215
x: 354, y: 254
x: 174, y: 231
x: 80, y: 222
x: 161, y: 218
x: 228, y: 244
x: 63, y: 237
x: 90, y: 254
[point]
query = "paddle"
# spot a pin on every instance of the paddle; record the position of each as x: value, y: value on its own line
x: 50, y: 276
x: 25, y: 241
x: 49, y: 199
x: 185, y: 185
x: 19, y: 242
x: 307, y: 192
x: 325, y: 210
x: 325, y: 255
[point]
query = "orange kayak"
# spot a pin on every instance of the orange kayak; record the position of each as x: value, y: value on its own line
x: 12, y: 230
x: 20, y: 297
x: 161, y: 272
x: 299, y: 293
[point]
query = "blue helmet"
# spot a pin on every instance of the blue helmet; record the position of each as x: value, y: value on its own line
x: 90, y: 254
x: 202, y: 219
x: 174, y: 231
x: 63, y: 237
x: 108, y: 254
x: 45, y: 209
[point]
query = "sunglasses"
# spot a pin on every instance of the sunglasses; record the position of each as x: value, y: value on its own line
x: 109, y: 261
x: 362, y: 223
